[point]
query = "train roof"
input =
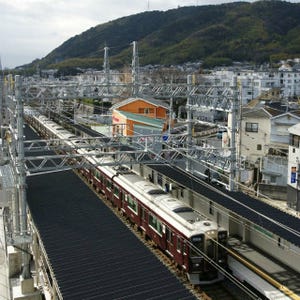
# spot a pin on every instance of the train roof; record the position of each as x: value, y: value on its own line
x: 169, y: 209
x: 93, y: 247
x: 264, y: 215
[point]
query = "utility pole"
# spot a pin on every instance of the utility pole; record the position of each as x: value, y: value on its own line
x: 232, y: 174
x: 189, y: 122
x: 135, y: 70
x: 106, y: 69
x: 21, y: 178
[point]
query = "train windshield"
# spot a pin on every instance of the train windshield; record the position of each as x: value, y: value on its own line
x: 197, y: 245
x: 210, y: 248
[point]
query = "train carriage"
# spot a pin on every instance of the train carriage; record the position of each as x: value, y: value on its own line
x: 195, y: 243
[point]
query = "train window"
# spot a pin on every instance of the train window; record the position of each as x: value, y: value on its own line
x: 116, y: 191
x: 178, y: 244
x: 132, y: 203
x: 155, y: 224
x: 169, y: 235
x: 197, y: 245
x: 210, y: 248
x: 184, y: 248
x: 152, y: 221
x: 97, y: 174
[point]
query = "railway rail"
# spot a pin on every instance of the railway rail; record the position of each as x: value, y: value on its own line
x: 208, y: 292
x: 170, y: 265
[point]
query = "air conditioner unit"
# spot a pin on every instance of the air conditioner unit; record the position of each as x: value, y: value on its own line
x: 266, y: 181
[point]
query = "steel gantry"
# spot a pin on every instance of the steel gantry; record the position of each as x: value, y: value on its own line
x: 15, y: 92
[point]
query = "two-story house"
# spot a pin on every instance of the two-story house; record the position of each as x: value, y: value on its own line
x: 263, y: 143
x: 136, y: 116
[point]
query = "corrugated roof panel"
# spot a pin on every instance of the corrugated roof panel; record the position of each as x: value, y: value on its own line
x: 256, y: 211
x: 93, y: 254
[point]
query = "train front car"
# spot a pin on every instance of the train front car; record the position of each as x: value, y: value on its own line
x: 207, y: 253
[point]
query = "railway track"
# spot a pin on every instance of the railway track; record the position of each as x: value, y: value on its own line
x: 210, y: 292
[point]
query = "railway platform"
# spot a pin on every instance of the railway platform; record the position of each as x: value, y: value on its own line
x: 269, y: 269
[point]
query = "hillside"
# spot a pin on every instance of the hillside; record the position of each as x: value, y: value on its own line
x: 257, y: 32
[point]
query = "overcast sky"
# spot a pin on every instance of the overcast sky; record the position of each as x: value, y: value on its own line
x: 31, y: 29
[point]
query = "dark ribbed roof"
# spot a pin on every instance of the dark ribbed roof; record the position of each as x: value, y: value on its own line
x: 256, y: 211
x: 92, y: 253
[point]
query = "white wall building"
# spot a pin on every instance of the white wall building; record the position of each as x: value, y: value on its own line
x: 263, y: 141
x: 253, y: 84
x: 293, y: 182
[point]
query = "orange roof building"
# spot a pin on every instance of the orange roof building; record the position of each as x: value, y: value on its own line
x: 139, y: 115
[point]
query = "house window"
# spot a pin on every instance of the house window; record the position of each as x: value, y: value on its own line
x: 294, y: 140
x: 251, y: 127
x: 273, y: 179
x: 258, y: 147
x: 146, y: 110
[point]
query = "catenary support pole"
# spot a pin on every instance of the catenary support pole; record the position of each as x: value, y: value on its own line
x: 21, y: 177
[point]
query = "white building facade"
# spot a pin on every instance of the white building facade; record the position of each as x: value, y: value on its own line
x: 293, y: 182
x: 252, y: 84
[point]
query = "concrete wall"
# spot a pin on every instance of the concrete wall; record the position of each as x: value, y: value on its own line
x: 275, y: 247
x: 276, y: 192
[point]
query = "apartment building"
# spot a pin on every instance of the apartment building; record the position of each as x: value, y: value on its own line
x: 283, y: 83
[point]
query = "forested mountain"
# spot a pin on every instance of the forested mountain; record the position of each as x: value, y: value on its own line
x: 262, y: 31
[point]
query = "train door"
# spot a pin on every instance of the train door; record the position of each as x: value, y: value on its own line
x: 169, y: 241
x: 185, y: 254
x: 143, y: 220
x: 211, y: 251
x: 123, y: 202
x: 179, y: 253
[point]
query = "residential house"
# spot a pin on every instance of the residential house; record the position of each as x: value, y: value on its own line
x: 140, y: 116
x: 263, y: 144
x: 293, y: 176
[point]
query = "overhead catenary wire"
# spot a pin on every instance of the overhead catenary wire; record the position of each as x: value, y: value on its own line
x: 263, y: 216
